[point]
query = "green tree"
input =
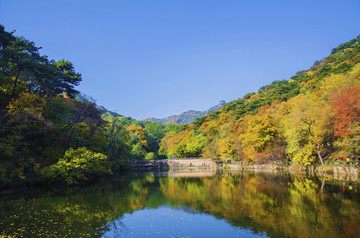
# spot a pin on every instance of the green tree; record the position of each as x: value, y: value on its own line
x: 22, y: 135
x: 24, y: 69
x: 150, y: 156
x: 118, y: 142
x: 77, y: 165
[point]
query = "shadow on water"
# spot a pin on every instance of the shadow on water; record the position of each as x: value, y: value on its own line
x: 275, y: 205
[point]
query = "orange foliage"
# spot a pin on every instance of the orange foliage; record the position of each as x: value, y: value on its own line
x: 346, y: 106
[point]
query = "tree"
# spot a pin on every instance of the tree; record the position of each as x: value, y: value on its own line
x: 138, y: 141
x: 22, y: 136
x: 262, y: 130
x: 51, y: 78
x: 25, y: 70
x: 18, y: 59
x: 118, y: 142
x: 193, y: 145
x: 226, y: 149
x: 308, y: 130
x: 346, y: 106
x: 262, y: 137
x: 150, y: 156
x: 350, y: 143
x: 77, y: 165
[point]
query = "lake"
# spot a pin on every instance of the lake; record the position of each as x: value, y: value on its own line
x: 186, y: 204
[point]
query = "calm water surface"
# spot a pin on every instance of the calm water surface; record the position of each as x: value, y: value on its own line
x: 198, y: 204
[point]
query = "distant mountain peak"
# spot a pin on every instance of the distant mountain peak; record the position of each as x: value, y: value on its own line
x: 186, y: 117
x: 216, y: 107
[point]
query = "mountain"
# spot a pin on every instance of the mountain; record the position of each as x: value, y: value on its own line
x: 186, y: 117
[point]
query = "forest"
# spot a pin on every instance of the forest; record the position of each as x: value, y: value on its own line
x: 49, y: 131
x: 311, y: 117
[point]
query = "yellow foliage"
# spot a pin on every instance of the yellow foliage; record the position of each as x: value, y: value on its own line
x: 332, y: 84
x: 137, y: 130
x: 262, y: 131
x: 226, y: 150
x: 310, y: 73
x: 308, y: 128
x: 27, y: 102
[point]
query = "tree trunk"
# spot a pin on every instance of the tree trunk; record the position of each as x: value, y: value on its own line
x: 319, y: 154
x: 322, y: 187
x: 14, y: 87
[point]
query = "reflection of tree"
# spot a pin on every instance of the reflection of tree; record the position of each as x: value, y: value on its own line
x: 267, y: 204
x: 277, y: 205
x: 74, y: 212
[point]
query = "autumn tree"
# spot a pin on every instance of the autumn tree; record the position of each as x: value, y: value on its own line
x: 346, y: 106
x: 262, y: 131
x: 308, y: 130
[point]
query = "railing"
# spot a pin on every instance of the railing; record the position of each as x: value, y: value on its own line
x: 283, y: 163
x: 188, y: 158
x: 246, y: 163
x: 343, y: 163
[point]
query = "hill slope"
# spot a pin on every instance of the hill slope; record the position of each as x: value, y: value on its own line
x: 313, y: 115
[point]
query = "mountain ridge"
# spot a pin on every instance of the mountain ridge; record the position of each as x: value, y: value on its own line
x: 187, y: 116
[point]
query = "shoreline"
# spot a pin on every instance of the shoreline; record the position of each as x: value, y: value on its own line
x: 340, y: 172
x: 191, y: 167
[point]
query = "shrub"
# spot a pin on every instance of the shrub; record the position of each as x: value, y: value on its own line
x: 77, y: 165
x: 150, y: 156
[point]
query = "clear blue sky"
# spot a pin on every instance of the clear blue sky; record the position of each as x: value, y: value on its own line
x: 157, y: 58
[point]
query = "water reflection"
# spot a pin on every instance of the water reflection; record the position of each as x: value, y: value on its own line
x: 147, y: 205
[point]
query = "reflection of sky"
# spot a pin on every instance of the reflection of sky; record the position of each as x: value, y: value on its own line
x: 171, y: 222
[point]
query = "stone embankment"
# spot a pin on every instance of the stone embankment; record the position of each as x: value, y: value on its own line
x: 148, y: 165
x: 339, y: 171
x: 192, y: 163
x: 336, y: 171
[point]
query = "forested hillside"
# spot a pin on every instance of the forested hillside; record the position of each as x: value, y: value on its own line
x: 315, y: 114
x: 49, y: 131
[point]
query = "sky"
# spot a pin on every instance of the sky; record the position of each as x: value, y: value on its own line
x: 156, y: 58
